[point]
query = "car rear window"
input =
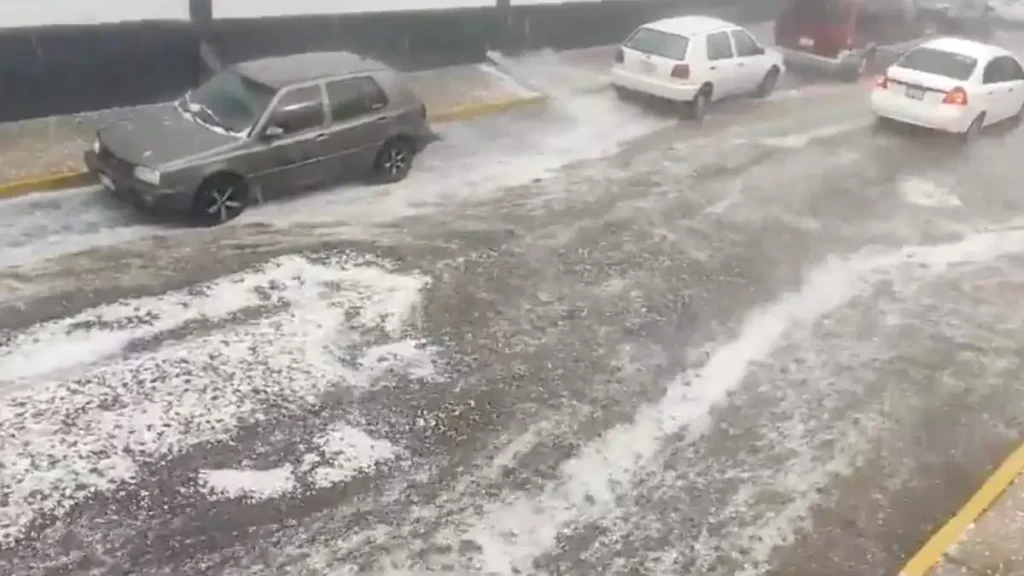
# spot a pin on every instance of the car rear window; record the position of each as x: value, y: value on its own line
x: 939, y: 62
x: 650, y: 41
x: 814, y: 12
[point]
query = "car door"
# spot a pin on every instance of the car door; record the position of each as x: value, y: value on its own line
x: 996, y: 90
x: 360, y: 119
x: 722, y: 64
x: 751, y: 62
x: 290, y: 142
x: 1015, y: 79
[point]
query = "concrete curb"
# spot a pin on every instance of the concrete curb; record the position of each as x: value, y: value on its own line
x: 45, y: 183
x: 471, y: 111
x: 66, y: 180
x: 940, y: 543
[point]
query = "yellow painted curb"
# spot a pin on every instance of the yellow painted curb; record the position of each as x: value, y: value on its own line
x: 485, y: 109
x: 940, y: 543
x: 48, y: 183
x: 65, y: 180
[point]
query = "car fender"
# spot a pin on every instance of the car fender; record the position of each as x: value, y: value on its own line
x: 775, y: 58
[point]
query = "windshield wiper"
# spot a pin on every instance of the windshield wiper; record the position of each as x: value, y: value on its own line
x: 211, y: 117
x: 194, y: 109
x: 183, y: 104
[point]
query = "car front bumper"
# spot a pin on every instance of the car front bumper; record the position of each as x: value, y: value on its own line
x: 895, y: 106
x: 666, y: 89
x: 127, y: 188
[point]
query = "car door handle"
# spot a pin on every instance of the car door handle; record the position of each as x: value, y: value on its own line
x: 714, y: 68
x: 321, y: 137
x: 380, y: 119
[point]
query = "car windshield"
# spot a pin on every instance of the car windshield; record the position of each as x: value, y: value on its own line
x: 650, y: 41
x: 228, y: 101
x: 940, y: 62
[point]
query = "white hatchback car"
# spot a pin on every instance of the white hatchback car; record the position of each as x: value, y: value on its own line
x: 694, y: 60
x: 953, y: 85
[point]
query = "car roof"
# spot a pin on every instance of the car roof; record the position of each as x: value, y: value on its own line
x: 690, y: 25
x: 978, y: 50
x: 280, y: 71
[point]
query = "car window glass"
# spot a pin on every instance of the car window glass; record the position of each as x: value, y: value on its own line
x: 650, y: 41
x: 939, y: 62
x: 299, y: 110
x: 745, y: 43
x: 813, y: 12
x: 1006, y: 69
x: 1013, y: 70
x: 353, y: 97
x: 719, y: 46
x: 995, y: 72
x: 228, y: 100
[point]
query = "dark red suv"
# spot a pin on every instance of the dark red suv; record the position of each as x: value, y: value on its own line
x: 842, y: 37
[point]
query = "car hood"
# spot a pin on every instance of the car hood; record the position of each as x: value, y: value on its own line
x: 160, y: 135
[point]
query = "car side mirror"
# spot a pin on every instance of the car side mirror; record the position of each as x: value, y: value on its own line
x: 759, y: 51
x: 273, y: 132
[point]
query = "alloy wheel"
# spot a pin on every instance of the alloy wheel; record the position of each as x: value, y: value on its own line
x: 223, y: 203
x: 395, y: 161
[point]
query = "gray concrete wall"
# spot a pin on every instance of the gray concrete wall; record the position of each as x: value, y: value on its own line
x: 68, y: 56
x: 63, y: 56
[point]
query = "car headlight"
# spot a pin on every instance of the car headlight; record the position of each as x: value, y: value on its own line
x: 96, y: 145
x: 147, y: 175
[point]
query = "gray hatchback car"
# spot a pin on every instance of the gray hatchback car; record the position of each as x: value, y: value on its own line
x: 260, y: 129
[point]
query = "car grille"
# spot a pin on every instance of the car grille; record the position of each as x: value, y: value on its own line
x: 114, y: 164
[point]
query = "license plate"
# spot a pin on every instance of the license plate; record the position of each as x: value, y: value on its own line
x: 106, y: 181
x: 806, y: 42
x: 647, y: 67
x: 915, y: 93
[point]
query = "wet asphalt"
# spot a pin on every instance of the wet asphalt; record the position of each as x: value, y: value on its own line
x: 785, y: 342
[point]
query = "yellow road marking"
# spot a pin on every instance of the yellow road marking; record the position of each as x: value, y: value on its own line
x: 940, y: 543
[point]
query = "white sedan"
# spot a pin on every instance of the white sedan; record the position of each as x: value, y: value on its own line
x: 953, y: 85
x: 694, y: 60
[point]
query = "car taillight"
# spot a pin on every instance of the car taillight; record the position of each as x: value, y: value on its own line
x: 957, y: 97
x: 882, y: 82
x: 619, y: 55
x: 681, y: 71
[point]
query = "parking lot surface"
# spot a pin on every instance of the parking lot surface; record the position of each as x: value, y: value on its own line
x: 581, y: 339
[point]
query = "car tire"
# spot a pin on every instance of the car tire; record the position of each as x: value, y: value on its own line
x: 855, y: 71
x: 974, y: 129
x: 394, y: 160
x: 219, y: 199
x: 622, y: 94
x: 768, y: 83
x: 1019, y: 118
x: 697, y: 108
